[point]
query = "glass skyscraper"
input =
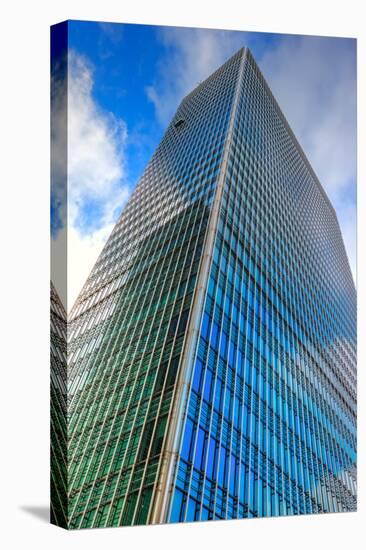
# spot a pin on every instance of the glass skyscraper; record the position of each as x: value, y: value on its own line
x: 212, y: 351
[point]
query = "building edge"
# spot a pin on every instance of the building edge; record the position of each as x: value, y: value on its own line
x: 58, y: 268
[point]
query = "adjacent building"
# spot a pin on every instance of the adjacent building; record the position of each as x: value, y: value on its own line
x: 212, y: 350
x: 58, y: 412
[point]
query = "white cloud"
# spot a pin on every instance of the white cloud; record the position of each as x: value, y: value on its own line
x: 96, y: 142
x: 97, y: 187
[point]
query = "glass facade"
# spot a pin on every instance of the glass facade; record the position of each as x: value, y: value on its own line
x: 212, y: 350
x: 270, y: 422
x: 58, y: 349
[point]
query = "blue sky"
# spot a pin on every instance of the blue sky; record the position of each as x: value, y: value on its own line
x: 125, y: 82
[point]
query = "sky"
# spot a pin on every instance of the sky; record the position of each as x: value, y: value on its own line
x: 124, y: 84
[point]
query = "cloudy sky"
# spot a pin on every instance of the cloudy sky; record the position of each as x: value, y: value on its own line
x: 125, y: 83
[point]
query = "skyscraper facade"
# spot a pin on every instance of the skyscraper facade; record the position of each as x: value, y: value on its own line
x: 212, y: 350
x: 58, y: 416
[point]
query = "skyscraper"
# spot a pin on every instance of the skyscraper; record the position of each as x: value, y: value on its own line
x: 212, y: 350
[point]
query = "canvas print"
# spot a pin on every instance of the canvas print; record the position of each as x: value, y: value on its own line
x: 203, y: 298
